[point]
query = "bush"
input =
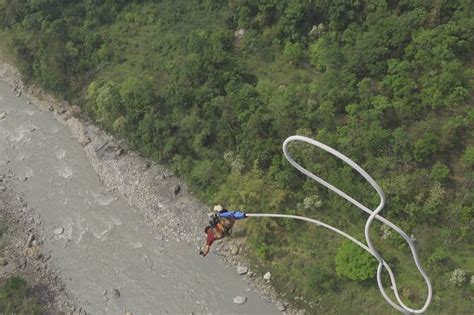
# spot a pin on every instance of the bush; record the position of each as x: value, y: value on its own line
x: 468, y: 156
x: 439, y: 258
x: 13, y: 299
x: 354, y: 262
x: 316, y: 55
x: 318, y: 280
x: 293, y: 53
x: 439, y: 172
x: 207, y: 175
x: 426, y: 146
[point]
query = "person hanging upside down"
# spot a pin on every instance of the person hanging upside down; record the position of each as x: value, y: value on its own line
x: 221, y: 224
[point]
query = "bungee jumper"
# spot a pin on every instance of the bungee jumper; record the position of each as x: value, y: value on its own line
x: 220, y: 225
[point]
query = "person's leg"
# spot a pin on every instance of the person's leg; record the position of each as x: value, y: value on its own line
x: 218, y: 233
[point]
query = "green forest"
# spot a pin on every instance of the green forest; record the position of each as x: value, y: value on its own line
x: 212, y: 88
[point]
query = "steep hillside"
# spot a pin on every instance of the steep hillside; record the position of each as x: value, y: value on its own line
x: 212, y: 89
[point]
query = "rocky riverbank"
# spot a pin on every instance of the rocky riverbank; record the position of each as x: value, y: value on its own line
x: 162, y: 199
x: 22, y: 237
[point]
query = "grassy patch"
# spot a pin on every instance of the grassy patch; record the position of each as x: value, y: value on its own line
x: 14, y: 297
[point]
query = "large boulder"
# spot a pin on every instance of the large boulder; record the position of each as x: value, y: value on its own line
x: 240, y: 299
x: 267, y: 276
x: 241, y: 270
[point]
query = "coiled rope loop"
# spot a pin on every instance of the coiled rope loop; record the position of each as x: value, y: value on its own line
x: 400, y: 306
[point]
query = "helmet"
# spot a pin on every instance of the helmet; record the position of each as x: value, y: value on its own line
x: 218, y: 208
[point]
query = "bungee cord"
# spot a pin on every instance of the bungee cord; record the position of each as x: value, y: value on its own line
x: 373, y: 214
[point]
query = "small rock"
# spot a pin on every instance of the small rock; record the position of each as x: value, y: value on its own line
x: 242, y: 270
x: 3, y: 115
x: 59, y: 230
x: 20, y: 262
x: 113, y: 293
x: 50, y: 108
x: 267, y: 276
x: 3, y: 261
x: 75, y: 110
x: 240, y: 299
x: 84, y: 140
x: 147, y: 164
x: 30, y: 239
x: 104, y: 293
x: 34, y: 252
x: 61, y: 110
x: 32, y: 129
x: 176, y: 189
x: 280, y: 306
x: 119, y: 152
x: 234, y: 250
x: 250, y: 274
x: 67, y: 115
x: 239, y: 33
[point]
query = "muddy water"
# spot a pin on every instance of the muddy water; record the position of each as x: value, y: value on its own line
x: 102, y: 242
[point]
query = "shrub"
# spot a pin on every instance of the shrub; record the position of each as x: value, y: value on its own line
x: 426, y: 146
x: 468, y: 156
x: 318, y: 280
x: 440, y: 257
x: 14, y: 300
x: 293, y: 53
x: 355, y: 263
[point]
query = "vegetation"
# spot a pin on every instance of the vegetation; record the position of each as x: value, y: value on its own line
x: 389, y: 83
x: 14, y: 291
x: 354, y: 262
x: 14, y: 297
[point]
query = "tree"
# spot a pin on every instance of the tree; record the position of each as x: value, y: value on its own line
x: 138, y: 98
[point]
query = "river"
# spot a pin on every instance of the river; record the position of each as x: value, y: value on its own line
x: 101, y: 242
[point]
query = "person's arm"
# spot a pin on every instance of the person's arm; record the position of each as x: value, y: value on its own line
x: 204, y: 252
